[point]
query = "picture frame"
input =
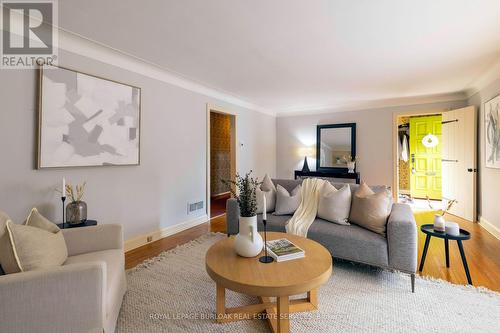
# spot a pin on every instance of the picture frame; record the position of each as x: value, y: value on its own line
x: 492, y: 133
x: 85, y: 120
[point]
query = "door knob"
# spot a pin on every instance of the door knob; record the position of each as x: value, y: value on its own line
x: 471, y: 170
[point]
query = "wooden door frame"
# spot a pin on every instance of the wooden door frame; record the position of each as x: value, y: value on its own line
x: 395, y: 137
x: 233, y: 115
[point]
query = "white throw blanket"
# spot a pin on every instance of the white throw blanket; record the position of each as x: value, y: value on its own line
x: 305, y: 215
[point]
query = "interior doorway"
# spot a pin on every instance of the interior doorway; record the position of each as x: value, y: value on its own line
x: 221, y: 159
x: 419, y: 160
x: 435, y: 160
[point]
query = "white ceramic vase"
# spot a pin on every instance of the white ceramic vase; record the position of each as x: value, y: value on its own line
x: 351, y: 166
x: 248, y: 241
x: 439, y: 223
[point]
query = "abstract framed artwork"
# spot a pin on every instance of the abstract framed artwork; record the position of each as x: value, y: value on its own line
x: 85, y: 120
x: 492, y: 132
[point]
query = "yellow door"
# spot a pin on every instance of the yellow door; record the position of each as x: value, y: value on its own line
x: 425, y: 157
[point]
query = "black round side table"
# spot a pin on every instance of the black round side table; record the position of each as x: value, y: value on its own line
x: 87, y: 223
x: 428, y: 229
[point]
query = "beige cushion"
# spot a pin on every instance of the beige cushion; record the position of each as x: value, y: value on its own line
x: 370, y: 210
x: 287, y: 203
x: 3, y: 219
x: 267, y: 189
x: 334, y: 205
x: 7, y: 259
x: 37, y: 244
x: 37, y: 220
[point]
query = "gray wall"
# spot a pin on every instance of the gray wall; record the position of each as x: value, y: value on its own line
x: 489, y: 179
x: 374, y: 143
x: 173, y: 153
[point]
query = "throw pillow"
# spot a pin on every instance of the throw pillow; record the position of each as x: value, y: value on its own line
x: 334, y: 205
x: 370, y: 210
x: 267, y: 184
x: 7, y: 258
x: 268, y: 189
x: 37, y: 220
x: 287, y: 203
x: 3, y: 219
x: 37, y: 244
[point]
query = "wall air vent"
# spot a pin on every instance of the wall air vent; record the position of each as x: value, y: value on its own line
x: 192, y: 207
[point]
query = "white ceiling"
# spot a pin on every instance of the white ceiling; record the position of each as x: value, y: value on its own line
x: 290, y: 55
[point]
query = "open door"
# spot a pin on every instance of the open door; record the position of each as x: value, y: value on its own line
x: 459, y: 160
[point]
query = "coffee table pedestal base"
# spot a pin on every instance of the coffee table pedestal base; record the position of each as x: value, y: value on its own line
x: 276, y: 312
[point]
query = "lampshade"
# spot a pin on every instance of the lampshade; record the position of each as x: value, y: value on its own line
x: 309, y: 151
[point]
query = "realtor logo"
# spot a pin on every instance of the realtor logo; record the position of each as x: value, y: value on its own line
x: 29, y: 36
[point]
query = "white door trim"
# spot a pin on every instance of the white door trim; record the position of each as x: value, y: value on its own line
x: 234, y: 150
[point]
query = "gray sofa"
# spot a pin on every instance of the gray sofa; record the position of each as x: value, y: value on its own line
x: 83, y: 295
x: 398, y: 250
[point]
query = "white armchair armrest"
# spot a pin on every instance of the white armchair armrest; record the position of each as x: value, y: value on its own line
x: 95, y: 238
x: 71, y: 296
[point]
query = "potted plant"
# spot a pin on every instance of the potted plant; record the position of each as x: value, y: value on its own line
x: 248, y: 242
x: 76, y: 210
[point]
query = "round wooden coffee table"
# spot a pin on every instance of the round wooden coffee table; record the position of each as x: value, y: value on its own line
x: 277, y: 279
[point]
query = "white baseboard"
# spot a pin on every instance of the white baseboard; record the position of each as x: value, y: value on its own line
x: 141, y: 240
x: 488, y: 226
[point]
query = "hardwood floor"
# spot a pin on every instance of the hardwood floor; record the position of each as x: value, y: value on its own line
x: 482, y: 252
x: 218, y: 205
x: 137, y: 256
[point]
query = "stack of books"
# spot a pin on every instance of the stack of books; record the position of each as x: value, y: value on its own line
x: 283, y: 250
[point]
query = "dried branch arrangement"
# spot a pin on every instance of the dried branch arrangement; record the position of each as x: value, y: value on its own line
x: 448, y: 206
x: 349, y: 158
x: 246, y: 194
x: 75, y: 194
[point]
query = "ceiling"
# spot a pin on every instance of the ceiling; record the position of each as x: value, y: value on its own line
x: 290, y: 55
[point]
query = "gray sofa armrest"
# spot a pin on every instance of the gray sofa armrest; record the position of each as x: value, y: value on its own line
x: 232, y: 216
x: 94, y: 238
x: 402, y: 239
x: 68, y: 298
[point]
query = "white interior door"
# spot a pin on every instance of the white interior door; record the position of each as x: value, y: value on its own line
x: 459, y: 161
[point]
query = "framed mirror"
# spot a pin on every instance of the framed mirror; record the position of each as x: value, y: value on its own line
x: 333, y: 142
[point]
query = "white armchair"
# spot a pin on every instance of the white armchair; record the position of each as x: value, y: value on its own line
x: 83, y: 295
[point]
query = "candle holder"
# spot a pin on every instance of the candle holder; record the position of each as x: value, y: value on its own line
x: 265, y: 259
x: 63, y: 199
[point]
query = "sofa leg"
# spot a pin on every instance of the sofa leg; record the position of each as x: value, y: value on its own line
x: 412, y: 282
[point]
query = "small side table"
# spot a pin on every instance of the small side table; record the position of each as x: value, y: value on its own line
x: 428, y: 229
x: 87, y: 223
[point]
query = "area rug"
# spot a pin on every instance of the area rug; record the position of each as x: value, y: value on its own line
x: 173, y: 293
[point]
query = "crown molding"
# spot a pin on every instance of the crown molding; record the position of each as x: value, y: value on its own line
x: 78, y: 44
x: 81, y: 45
x: 485, y: 79
x: 75, y: 43
x: 373, y: 104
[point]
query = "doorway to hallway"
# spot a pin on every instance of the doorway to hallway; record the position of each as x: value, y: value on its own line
x: 221, y: 159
